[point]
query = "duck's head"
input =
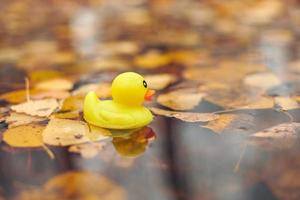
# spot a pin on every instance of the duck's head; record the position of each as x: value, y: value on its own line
x: 130, y: 89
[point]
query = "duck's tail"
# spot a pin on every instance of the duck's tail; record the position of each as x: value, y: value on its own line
x: 90, y: 105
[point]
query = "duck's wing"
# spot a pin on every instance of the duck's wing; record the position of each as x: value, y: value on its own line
x: 116, y: 120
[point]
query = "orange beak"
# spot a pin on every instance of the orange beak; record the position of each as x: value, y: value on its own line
x: 149, y: 94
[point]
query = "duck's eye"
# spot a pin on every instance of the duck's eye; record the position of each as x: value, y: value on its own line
x: 145, y: 84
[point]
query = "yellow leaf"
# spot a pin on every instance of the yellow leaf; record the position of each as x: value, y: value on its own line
x: 180, y: 99
x: 24, y: 136
x: 88, y: 150
x: 286, y: 103
x: 103, y: 90
x: 42, y: 75
x: 41, y: 108
x: 263, y: 81
x: 73, y: 103
x: 17, y: 119
x: 219, y: 124
x: 186, y: 116
x: 17, y: 96
x: 64, y: 132
x: 152, y: 59
x: 55, y: 84
x: 159, y: 81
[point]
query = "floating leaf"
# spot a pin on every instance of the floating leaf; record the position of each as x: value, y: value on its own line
x: 282, y: 135
x: 231, y: 123
x: 180, y: 99
x: 73, y: 103
x: 67, y: 115
x: 41, y: 108
x: 18, y: 119
x: 186, y: 116
x: 42, y: 75
x: 50, y: 94
x: 24, y: 136
x: 76, y: 185
x: 152, y: 59
x: 64, y: 132
x: 286, y: 103
x: 88, y: 150
x: 159, y: 81
x: 17, y: 96
x: 263, y: 81
x: 102, y: 90
x: 55, y: 84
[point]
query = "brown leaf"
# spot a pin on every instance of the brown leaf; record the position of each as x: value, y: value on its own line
x: 282, y: 135
x: 64, y: 132
x: 41, y: 108
x: 55, y: 84
x: 18, y: 119
x: 186, y: 116
x: 50, y: 94
x: 24, y: 136
x: 73, y: 103
x: 183, y: 99
x: 17, y: 96
x: 286, y: 103
x: 152, y: 59
x: 159, y: 81
x: 263, y: 81
x: 103, y: 90
x: 87, y: 150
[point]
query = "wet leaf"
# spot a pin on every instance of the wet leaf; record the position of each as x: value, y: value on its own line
x: 88, y: 150
x: 17, y: 96
x: 50, y: 94
x: 18, y: 119
x: 41, y: 108
x: 73, y: 103
x: 64, y: 132
x: 180, y: 99
x: 76, y: 185
x: 42, y: 75
x: 67, y: 115
x: 281, y: 136
x: 152, y: 59
x: 286, y: 103
x: 159, y: 81
x: 103, y: 90
x: 263, y: 81
x: 218, y: 125
x: 55, y: 84
x: 24, y: 136
x: 186, y: 116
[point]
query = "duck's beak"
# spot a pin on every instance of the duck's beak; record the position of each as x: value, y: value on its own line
x: 149, y: 94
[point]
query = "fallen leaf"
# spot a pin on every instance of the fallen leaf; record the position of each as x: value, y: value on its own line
x: 65, y: 132
x: 184, y: 99
x: 24, y: 136
x: 263, y: 81
x: 66, y: 115
x: 18, y: 119
x: 186, y: 116
x: 152, y: 59
x: 73, y: 103
x: 103, y: 90
x: 219, y: 124
x: 42, y: 75
x: 76, y: 185
x: 41, y: 108
x: 50, y: 94
x: 17, y: 96
x: 55, y: 84
x: 88, y: 150
x: 282, y: 135
x: 231, y: 123
x: 286, y: 103
x: 159, y: 81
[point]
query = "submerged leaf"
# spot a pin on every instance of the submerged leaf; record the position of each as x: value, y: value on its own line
x: 282, y: 135
x: 180, y: 99
x: 18, y: 119
x: 186, y: 116
x: 55, y: 84
x: 286, y: 103
x: 88, y: 150
x: 24, y: 136
x: 263, y: 81
x: 41, y: 108
x: 64, y: 132
x: 159, y: 81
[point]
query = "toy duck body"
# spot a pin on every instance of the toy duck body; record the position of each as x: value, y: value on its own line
x: 125, y: 110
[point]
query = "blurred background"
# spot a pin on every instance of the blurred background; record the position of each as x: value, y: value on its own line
x: 92, y: 41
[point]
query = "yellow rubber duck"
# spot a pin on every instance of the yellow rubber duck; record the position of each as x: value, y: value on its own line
x: 125, y: 110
